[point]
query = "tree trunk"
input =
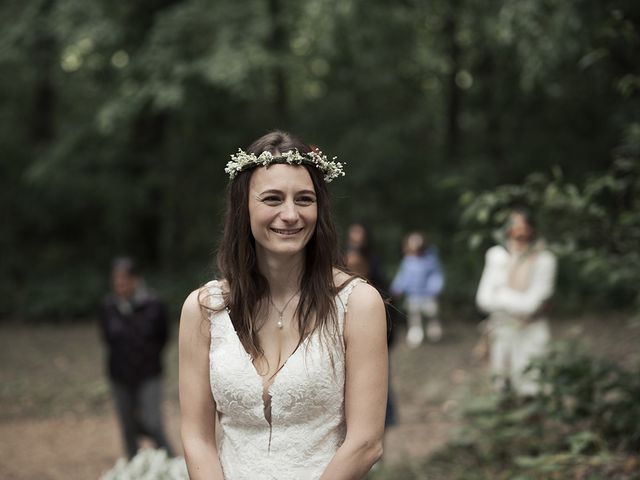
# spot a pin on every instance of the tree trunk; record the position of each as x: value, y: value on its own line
x: 279, y: 47
x: 42, y: 121
x: 453, y: 99
x: 146, y: 160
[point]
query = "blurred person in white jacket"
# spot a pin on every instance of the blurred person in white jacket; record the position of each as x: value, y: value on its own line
x: 517, y: 282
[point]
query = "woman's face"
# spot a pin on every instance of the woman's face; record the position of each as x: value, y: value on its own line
x: 520, y: 230
x: 124, y: 284
x: 282, y: 209
x: 357, y: 235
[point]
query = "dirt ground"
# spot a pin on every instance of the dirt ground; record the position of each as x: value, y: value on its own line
x: 57, y: 421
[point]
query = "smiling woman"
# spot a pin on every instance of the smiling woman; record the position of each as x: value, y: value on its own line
x: 282, y: 210
x: 297, y: 380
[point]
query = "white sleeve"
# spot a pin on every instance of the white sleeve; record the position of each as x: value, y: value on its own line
x: 493, y: 278
x: 528, y: 302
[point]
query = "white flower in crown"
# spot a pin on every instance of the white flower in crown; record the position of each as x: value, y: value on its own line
x: 243, y: 160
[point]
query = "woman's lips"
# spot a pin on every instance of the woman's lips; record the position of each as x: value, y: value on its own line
x: 286, y: 231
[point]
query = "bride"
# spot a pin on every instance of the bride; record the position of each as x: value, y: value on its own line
x: 286, y: 348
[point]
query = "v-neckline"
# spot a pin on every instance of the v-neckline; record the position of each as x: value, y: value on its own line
x: 277, y: 373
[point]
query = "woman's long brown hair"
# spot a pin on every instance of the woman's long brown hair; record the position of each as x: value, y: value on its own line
x: 248, y: 289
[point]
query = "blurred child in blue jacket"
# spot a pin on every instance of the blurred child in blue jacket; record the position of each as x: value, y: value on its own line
x: 420, y: 280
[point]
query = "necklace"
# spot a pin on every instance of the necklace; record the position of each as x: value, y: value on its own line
x: 281, y: 312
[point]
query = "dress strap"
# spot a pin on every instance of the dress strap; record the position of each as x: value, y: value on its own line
x: 344, y: 294
x: 220, y: 326
x: 211, y: 294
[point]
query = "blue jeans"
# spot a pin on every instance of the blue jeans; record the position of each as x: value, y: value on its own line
x: 139, y: 413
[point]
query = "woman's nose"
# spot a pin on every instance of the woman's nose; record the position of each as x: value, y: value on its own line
x: 289, y: 212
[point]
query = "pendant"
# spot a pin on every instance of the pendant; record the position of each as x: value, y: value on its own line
x: 280, y: 325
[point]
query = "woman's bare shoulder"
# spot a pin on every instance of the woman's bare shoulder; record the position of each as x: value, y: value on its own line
x: 365, y: 297
x: 192, y: 302
x: 192, y: 316
x: 201, y: 301
x: 365, y: 316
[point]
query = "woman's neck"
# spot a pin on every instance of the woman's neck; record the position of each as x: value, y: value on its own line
x: 283, y: 273
x: 518, y: 247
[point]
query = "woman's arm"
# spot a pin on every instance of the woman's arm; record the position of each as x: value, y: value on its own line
x: 528, y: 303
x: 365, y: 385
x: 435, y: 276
x: 197, y: 406
x: 493, y: 275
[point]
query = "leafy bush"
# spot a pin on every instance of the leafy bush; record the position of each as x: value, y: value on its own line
x: 584, y: 423
x: 593, y: 227
x: 62, y: 295
x: 76, y: 293
x: 597, y: 398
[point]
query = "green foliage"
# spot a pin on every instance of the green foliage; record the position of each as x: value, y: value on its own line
x: 584, y: 423
x: 63, y: 296
x: 596, y: 398
x: 117, y: 120
x: 594, y: 227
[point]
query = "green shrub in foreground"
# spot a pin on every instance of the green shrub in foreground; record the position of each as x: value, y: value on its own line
x: 584, y: 425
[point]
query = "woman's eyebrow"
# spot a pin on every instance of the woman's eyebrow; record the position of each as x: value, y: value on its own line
x: 280, y: 192
x: 272, y: 190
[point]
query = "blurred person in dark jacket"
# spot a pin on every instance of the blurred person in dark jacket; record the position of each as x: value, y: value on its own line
x: 134, y: 327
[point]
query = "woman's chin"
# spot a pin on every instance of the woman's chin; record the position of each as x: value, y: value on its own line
x: 283, y: 248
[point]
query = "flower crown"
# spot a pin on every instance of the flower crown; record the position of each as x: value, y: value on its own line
x: 243, y: 160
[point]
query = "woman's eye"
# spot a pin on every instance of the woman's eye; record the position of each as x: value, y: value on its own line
x: 305, y: 200
x: 271, y: 200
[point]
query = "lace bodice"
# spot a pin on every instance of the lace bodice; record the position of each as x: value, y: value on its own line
x: 307, y: 403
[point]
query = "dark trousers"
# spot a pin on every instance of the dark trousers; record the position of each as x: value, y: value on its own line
x: 390, y: 418
x: 139, y: 413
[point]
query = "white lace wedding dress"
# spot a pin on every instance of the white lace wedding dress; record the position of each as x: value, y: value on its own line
x: 307, y: 404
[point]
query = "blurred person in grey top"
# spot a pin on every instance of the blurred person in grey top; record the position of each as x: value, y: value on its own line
x: 515, y: 287
x: 134, y: 327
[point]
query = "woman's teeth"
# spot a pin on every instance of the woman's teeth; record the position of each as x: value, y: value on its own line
x: 286, y: 232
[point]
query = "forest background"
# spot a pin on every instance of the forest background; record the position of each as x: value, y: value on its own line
x: 118, y: 118
x: 116, y: 122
